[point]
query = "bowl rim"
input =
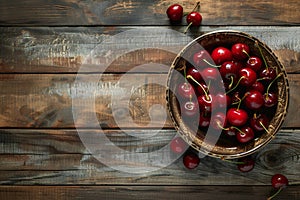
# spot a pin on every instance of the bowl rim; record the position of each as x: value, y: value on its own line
x: 274, y: 130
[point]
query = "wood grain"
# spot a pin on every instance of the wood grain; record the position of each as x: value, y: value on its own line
x: 143, y: 192
x: 66, y: 49
x: 146, y: 12
x: 53, y: 100
x: 51, y: 157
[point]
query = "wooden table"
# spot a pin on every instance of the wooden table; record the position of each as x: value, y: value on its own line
x: 43, y: 47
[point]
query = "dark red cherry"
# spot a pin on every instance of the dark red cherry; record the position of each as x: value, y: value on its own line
x: 247, y: 164
x: 229, y: 69
x: 195, y: 73
x: 202, y: 88
x: 268, y: 74
x: 258, y: 86
x: 194, y: 18
x: 249, y: 76
x: 178, y: 145
x: 190, y: 108
x: 205, y: 103
x: 279, y: 181
x: 218, y: 121
x: 237, y: 117
x: 259, y: 122
x: 175, y: 12
x: 185, y: 90
x: 270, y: 99
x: 254, y: 100
x: 254, y: 63
x: 240, y: 51
x: 191, y: 160
x: 210, y: 73
x: 204, y: 120
x: 201, y: 58
x: 245, y: 135
x: 220, y: 55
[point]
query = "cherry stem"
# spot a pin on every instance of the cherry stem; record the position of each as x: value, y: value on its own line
x: 212, y: 65
x: 240, y: 100
x: 235, y: 85
x: 277, y: 192
x: 262, y: 125
x: 239, y: 130
x: 245, y: 52
x: 186, y: 29
x: 196, y: 6
x: 269, y: 86
x: 221, y: 127
x: 262, y: 55
x: 205, y: 92
x: 231, y: 82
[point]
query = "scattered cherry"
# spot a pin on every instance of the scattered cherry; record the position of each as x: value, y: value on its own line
x: 178, y: 145
x: 175, y: 12
x: 191, y: 160
x: 278, y: 182
x: 246, y: 164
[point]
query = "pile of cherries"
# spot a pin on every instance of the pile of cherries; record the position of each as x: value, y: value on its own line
x: 239, y: 87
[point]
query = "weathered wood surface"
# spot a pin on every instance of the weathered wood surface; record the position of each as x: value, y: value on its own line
x: 143, y: 192
x: 51, y: 157
x: 146, y: 12
x: 45, y: 100
x: 65, y: 49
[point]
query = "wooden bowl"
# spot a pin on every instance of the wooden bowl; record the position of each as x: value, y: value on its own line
x: 201, y: 139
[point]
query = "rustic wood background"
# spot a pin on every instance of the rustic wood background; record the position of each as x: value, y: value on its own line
x: 42, y: 46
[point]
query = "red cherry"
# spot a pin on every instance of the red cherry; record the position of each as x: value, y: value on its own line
x: 205, y: 103
x: 190, y: 108
x: 254, y: 100
x: 191, y: 160
x: 229, y: 70
x: 218, y: 121
x: 185, y: 90
x: 268, y: 74
x: 249, y: 76
x: 254, y: 63
x: 240, y: 51
x: 178, y: 145
x: 194, y: 18
x: 220, y: 55
x: 247, y: 164
x: 279, y: 181
x: 175, y: 12
x: 204, y: 120
x: 237, y: 117
x: 270, y: 99
x: 200, y: 57
x: 258, y: 86
x: 195, y: 73
x: 245, y: 135
x: 259, y: 122
x: 210, y: 73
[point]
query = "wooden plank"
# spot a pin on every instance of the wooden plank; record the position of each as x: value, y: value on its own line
x: 52, y: 100
x: 146, y: 12
x: 66, y: 49
x: 52, y: 157
x: 143, y: 192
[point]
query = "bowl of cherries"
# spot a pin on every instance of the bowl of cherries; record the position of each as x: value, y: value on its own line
x: 227, y: 94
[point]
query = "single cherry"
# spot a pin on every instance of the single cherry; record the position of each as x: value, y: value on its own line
x: 248, y: 76
x: 185, y: 90
x: 254, y: 63
x: 229, y: 70
x: 220, y: 55
x: 193, y: 19
x: 218, y: 121
x: 240, y: 51
x: 191, y: 160
x: 205, y: 103
x: 210, y: 73
x: 190, y: 108
x: 237, y: 117
x: 245, y: 135
x: 246, y: 164
x: 270, y: 99
x: 178, y: 145
x: 259, y: 122
x: 254, y: 100
x: 279, y: 181
x: 201, y: 59
x: 195, y: 73
x: 202, y: 89
x: 268, y: 74
x: 222, y: 100
x: 175, y: 12
x: 258, y: 86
